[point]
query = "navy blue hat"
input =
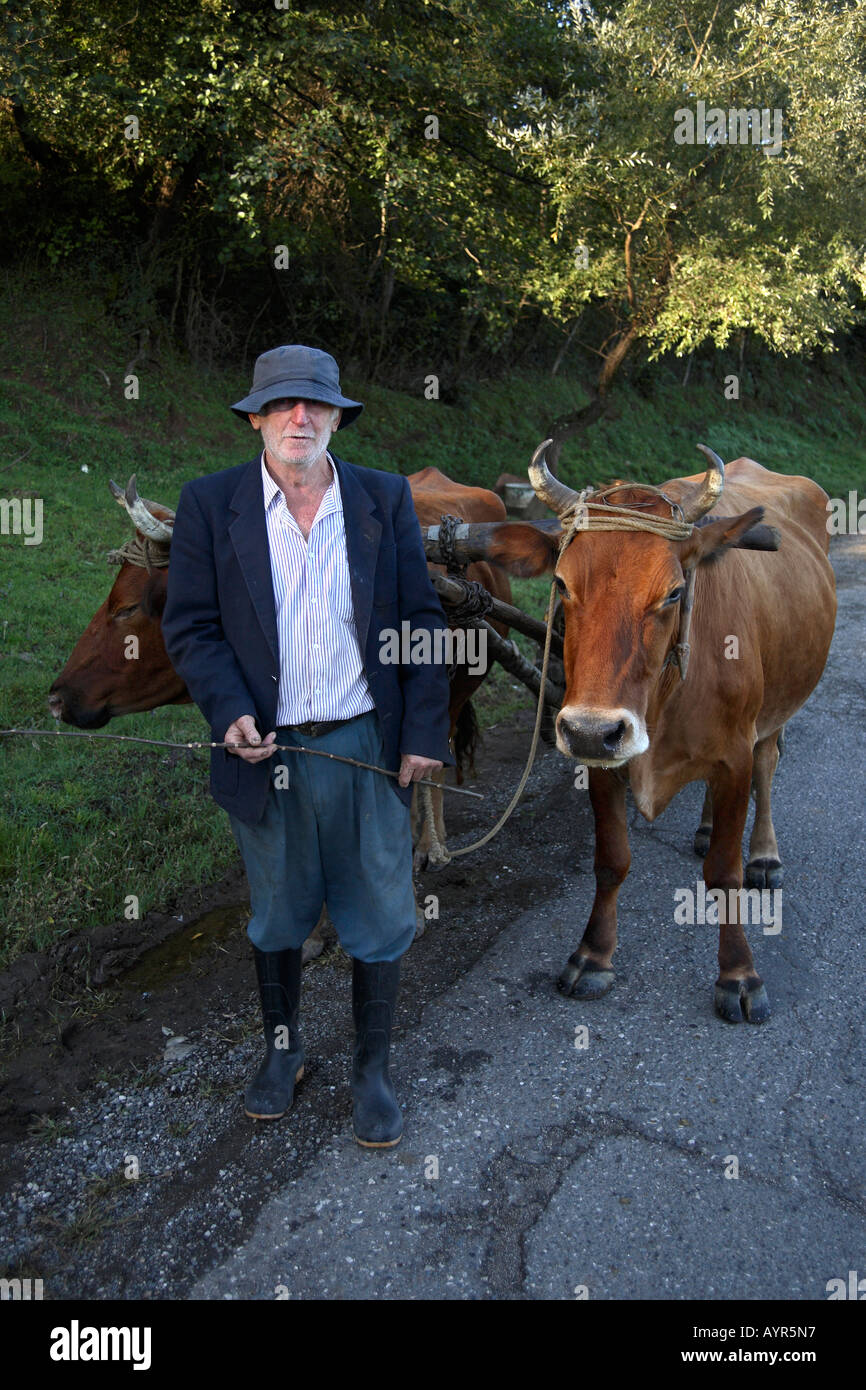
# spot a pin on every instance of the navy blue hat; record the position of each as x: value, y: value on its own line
x: 301, y: 372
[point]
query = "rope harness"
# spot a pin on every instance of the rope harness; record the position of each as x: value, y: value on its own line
x: 585, y: 515
x: 476, y: 602
x: 141, y: 551
x: 448, y: 525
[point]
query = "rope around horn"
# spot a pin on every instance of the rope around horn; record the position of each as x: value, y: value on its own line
x: 585, y: 515
x: 141, y: 551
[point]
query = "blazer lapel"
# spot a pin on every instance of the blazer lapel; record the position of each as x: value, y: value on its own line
x: 363, y: 532
x: 250, y: 539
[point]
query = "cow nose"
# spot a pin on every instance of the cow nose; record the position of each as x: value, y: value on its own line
x: 592, y: 738
x: 55, y: 704
x: 612, y: 735
x: 600, y: 735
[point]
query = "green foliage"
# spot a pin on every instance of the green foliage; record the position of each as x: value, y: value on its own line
x: 306, y: 127
x: 433, y: 169
x: 688, y: 242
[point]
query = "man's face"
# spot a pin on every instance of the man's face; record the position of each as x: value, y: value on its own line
x: 296, y: 432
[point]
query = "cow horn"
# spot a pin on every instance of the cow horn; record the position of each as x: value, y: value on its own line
x: 557, y: 496
x: 155, y: 528
x: 706, y: 497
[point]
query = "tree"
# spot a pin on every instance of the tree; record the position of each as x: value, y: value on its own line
x: 757, y: 225
x: 357, y: 137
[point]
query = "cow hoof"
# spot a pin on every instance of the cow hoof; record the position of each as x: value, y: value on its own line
x: 742, y: 1001
x: 583, y: 979
x: 427, y: 862
x: 420, y: 924
x: 702, y: 839
x: 764, y: 873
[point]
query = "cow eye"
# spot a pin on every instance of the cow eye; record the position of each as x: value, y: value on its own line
x: 125, y: 612
x: 674, y: 596
x: 559, y: 584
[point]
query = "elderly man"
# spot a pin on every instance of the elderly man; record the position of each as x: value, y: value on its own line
x: 284, y: 573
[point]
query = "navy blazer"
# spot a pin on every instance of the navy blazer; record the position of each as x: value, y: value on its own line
x: 220, y: 624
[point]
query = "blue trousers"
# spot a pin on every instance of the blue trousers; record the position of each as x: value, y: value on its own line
x: 331, y: 834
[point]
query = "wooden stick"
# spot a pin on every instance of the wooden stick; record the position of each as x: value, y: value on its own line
x: 451, y: 591
x: 472, y: 539
x: 281, y: 747
x: 508, y: 656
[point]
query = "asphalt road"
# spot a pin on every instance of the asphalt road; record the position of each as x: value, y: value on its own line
x: 532, y: 1168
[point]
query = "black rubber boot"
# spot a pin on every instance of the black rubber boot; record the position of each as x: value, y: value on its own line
x: 377, y: 1121
x: 269, y: 1094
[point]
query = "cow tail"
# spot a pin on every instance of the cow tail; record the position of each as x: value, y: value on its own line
x: 467, y: 736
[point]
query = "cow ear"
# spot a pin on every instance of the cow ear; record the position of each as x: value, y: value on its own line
x: 709, y: 541
x: 154, y: 595
x: 522, y: 550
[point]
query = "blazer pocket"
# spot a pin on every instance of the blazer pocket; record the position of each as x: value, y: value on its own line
x: 226, y: 771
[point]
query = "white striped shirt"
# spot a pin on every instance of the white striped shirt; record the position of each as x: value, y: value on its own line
x: 321, y: 672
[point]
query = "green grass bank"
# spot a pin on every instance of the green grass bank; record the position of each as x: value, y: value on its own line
x: 85, y: 824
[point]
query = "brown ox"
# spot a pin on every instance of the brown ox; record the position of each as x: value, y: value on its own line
x: 629, y: 716
x: 100, y: 682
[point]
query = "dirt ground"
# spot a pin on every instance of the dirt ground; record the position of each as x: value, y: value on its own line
x: 94, y: 1086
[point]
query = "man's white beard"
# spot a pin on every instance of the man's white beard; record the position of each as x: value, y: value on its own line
x: 275, y: 443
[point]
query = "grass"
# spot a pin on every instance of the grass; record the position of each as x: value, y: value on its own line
x: 96, y: 1214
x: 86, y: 827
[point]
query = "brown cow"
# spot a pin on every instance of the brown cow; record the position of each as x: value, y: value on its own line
x: 100, y: 682
x: 627, y: 713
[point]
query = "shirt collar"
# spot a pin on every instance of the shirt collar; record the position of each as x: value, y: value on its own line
x: 331, y: 502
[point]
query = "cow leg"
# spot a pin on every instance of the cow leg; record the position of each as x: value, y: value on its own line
x: 588, y: 973
x: 705, y: 829
x: 739, y: 992
x: 421, y: 839
x: 437, y: 796
x: 430, y: 850
x: 764, y: 869
x: 324, y: 934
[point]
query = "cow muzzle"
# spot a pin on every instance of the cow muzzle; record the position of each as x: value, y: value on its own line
x: 70, y: 706
x: 600, y: 737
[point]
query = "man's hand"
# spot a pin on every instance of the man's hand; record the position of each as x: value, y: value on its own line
x: 244, y: 730
x: 413, y: 768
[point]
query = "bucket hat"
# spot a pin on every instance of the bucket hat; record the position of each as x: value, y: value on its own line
x: 302, y: 372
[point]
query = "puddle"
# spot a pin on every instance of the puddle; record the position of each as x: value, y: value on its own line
x: 171, y: 957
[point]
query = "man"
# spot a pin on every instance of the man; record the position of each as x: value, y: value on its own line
x: 284, y: 572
